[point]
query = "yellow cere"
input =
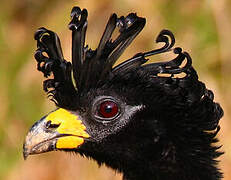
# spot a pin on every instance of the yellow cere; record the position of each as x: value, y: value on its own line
x: 69, y: 142
x: 68, y: 124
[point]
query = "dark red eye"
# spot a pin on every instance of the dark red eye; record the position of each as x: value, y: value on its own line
x: 108, y: 109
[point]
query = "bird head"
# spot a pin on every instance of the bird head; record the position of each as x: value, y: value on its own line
x: 127, y: 115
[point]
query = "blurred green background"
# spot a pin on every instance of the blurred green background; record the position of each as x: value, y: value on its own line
x: 201, y: 27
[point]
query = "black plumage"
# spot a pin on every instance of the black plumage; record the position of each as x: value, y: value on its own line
x: 164, y: 126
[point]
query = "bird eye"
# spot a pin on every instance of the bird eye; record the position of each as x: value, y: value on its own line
x: 108, y: 109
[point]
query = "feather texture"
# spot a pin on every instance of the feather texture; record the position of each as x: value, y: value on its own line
x: 91, y: 67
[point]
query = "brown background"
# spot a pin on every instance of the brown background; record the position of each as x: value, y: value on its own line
x: 201, y: 27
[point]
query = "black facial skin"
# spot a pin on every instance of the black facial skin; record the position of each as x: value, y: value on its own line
x: 149, y: 142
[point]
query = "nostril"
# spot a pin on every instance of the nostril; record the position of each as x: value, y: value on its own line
x: 49, y: 125
x: 54, y: 125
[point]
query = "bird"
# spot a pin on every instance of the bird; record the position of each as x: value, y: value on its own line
x: 146, y: 120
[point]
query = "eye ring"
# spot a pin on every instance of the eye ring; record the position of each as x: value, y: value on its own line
x: 106, y: 109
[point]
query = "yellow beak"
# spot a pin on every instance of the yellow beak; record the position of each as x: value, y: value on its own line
x: 60, y: 129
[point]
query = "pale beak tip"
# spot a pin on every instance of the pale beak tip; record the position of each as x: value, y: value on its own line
x: 25, y: 152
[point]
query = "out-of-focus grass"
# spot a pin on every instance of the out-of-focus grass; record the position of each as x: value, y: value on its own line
x: 202, y: 27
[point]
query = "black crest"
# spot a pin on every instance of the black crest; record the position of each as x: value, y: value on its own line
x: 91, y: 67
